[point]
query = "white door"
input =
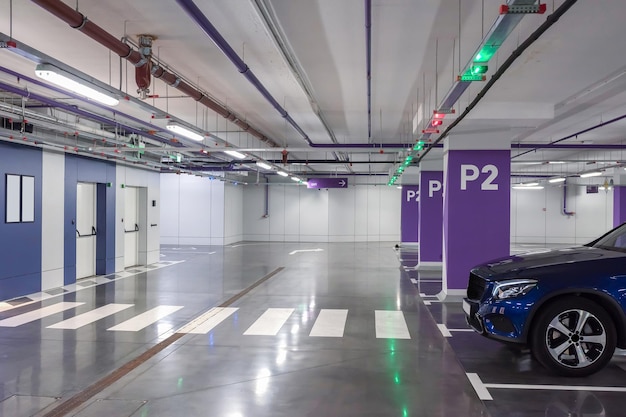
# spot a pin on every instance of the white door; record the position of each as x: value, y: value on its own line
x: 85, y: 230
x: 131, y: 227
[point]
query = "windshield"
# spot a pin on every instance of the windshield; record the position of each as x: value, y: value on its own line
x: 613, y: 240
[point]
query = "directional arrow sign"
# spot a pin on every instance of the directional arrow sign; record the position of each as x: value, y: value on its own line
x: 306, y: 250
x: 332, y: 182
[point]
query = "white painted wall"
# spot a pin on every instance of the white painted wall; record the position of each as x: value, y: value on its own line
x: 149, y: 250
x: 233, y: 213
x: 53, y: 203
x: 193, y: 210
x: 297, y: 214
x: 536, y: 215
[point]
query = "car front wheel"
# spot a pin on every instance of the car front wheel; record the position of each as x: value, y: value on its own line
x: 573, y: 336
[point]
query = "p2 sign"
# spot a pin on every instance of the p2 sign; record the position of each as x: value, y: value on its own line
x: 433, y: 187
x: 487, y: 174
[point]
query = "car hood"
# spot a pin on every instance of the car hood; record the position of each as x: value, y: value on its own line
x: 540, y: 259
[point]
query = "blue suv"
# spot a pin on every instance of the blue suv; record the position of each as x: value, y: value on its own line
x: 567, y: 305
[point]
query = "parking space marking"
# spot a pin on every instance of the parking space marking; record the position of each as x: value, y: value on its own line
x: 479, y: 387
x: 428, y: 295
x: 482, y: 389
x: 413, y: 280
x: 448, y: 332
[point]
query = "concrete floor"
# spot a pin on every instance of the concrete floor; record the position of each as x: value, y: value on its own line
x: 333, y: 330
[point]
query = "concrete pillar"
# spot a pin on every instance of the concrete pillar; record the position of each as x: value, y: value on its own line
x: 476, y: 206
x: 409, y: 213
x: 430, y: 225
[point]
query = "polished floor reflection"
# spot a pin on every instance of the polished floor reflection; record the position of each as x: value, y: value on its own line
x: 274, y: 330
x: 340, y: 331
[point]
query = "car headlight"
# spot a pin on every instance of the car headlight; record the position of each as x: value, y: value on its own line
x: 514, y: 288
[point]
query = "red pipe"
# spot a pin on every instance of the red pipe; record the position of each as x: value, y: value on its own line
x: 78, y: 21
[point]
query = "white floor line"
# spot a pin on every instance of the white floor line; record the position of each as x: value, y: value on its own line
x: 479, y: 387
x: 556, y: 387
x: 90, y: 316
x: 413, y: 280
x: 208, y: 321
x: 38, y: 314
x: 145, y: 319
x: 444, y: 330
x: 391, y: 325
x: 482, y: 389
x: 270, y: 322
x: 423, y: 295
x: 330, y: 323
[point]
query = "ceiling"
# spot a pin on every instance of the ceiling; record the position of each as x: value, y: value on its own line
x: 311, y: 57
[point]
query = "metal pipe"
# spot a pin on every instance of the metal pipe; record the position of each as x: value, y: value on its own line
x: 207, y: 27
x: 77, y: 21
x: 565, y: 212
x: 573, y: 135
x: 72, y: 109
x: 81, y: 98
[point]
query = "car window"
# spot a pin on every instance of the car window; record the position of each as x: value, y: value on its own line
x: 613, y: 240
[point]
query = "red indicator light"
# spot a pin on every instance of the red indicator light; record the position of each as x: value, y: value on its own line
x: 437, y: 122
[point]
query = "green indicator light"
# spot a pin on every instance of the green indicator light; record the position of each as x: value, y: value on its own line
x: 478, y: 69
x: 405, y: 412
x: 486, y: 53
x: 468, y: 78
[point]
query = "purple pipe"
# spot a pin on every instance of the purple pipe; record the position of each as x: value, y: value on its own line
x: 207, y: 27
x: 368, y: 63
x: 81, y: 98
x: 76, y: 110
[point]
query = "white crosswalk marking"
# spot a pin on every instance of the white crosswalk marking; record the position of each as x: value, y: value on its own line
x: 207, y: 322
x: 391, y: 325
x: 330, y: 323
x: 90, y: 316
x: 145, y: 319
x: 38, y: 314
x: 270, y: 322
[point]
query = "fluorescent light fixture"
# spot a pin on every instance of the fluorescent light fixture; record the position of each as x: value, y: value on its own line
x: 263, y: 165
x: 591, y: 174
x: 282, y: 174
x: 559, y: 179
x: 183, y: 131
x: 295, y: 179
x: 75, y: 84
x: 526, y: 187
x: 556, y: 162
x: 530, y: 184
x: 235, y: 154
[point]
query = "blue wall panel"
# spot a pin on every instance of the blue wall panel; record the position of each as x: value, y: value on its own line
x: 20, y: 243
x: 80, y: 169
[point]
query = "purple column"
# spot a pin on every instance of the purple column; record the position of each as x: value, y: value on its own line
x: 409, y: 211
x: 430, y: 218
x: 476, y: 213
x: 619, y: 205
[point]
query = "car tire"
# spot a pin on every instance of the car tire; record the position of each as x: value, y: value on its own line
x: 563, y: 343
